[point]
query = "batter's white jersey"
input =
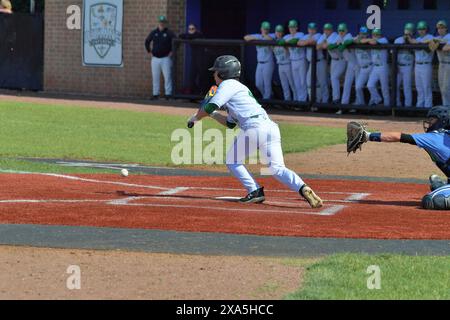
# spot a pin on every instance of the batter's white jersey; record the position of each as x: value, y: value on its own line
x: 239, y: 102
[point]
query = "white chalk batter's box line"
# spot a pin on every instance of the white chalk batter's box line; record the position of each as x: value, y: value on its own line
x: 331, y: 210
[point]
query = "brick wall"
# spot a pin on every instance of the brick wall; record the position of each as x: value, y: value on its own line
x: 63, y: 69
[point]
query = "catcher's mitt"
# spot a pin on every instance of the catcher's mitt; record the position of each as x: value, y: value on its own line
x: 434, y: 44
x: 356, y: 136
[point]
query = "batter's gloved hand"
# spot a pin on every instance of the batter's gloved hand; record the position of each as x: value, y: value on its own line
x: 356, y: 136
x: 191, y: 122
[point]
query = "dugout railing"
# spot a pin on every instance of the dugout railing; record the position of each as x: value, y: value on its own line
x: 239, y: 48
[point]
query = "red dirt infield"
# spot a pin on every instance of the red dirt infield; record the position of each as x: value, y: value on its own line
x: 353, y: 209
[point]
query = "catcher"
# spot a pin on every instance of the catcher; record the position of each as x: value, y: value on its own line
x: 435, y: 141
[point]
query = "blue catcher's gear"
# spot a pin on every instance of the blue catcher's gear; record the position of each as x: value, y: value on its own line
x: 438, y: 199
x: 442, y: 114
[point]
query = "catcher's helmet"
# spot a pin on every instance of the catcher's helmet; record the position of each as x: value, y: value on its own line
x: 227, y: 66
x: 442, y: 114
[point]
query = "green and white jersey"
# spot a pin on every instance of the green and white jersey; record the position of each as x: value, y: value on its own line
x: 423, y: 56
x: 405, y: 57
x: 444, y: 56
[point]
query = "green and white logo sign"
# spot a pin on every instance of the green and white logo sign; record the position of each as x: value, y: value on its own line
x: 102, y: 32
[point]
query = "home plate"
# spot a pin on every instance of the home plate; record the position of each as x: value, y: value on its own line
x: 229, y: 199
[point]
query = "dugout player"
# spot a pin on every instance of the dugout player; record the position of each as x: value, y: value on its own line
x: 258, y: 132
x: 284, y: 64
x: 444, y: 62
x: 405, y: 63
x: 436, y: 142
x: 265, y: 67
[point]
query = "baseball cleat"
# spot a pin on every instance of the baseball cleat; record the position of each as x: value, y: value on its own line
x: 256, y: 196
x: 312, y: 198
x: 436, y: 182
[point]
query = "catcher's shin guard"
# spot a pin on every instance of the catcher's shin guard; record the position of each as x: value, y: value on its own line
x: 438, y: 199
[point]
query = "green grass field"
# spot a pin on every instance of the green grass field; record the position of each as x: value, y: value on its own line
x: 44, y: 131
x: 344, y: 276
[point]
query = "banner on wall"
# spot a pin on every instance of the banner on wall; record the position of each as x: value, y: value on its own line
x: 102, y: 33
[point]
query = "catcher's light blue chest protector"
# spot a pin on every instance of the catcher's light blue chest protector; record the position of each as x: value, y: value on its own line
x: 437, y: 145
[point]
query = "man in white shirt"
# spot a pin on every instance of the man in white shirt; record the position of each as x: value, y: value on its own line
x: 405, y: 64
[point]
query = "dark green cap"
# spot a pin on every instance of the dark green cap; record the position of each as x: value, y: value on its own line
x: 442, y: 23
x: 328, y: 26
x: 312, y: 25
x: 377, y: 31
x: 293, y: 23
x: 410, y: 26
x: 279, y: 28
x: 162, y: 19
x: 342, y: 27
x: 422, y: 25
x: 265, y: 25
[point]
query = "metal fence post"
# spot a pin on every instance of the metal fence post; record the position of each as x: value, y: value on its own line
x: 313, y: 76
x: 394, y: 70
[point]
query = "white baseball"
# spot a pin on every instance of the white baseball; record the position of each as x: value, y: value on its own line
x: 124, y: 172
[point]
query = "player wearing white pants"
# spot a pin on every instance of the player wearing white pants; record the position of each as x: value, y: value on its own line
x: 322, y: 64
x: 163, y: 65
x: 258, y: 132
x: 312, y: 38
x: 444, y: 62
x: 298, y: 62
x: 265, y: 67
x: 284, y: 65
x: 405, y: 62
x: 380, y: 70
x: 423, y: 68
x: 336, y: 47
x: 364, y: 60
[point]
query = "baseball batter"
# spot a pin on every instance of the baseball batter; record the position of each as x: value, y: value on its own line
x: 265, y: 67
x: 423, y: 68
x: 405, y: 62
x: 258, y: 132
x: 284, y: 65
x: 380, y: 70
x: 435, y: 141
x: 444, y: 62
x: 312, y: 38
x: 298, y: 61
x: 364, y: 60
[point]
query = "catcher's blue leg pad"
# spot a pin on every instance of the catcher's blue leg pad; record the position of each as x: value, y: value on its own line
x: 438, y: 199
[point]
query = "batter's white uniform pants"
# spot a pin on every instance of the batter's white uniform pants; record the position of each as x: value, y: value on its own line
x: 299, y: 70
x: 404, y: 77
x: 265, y: 137
x: 424, y: 74
x: 361, y: 83
x: 287, y: 81
x: 379, y: 74
x: 337, y: 70
x: 444, y: 82
x: 351, y: 74
x: 263, y: 81
x: 164, y: 65
x: 322, y: 92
